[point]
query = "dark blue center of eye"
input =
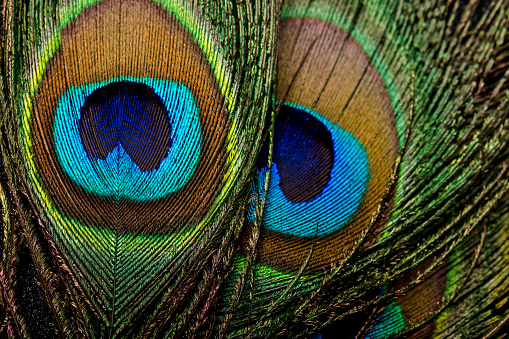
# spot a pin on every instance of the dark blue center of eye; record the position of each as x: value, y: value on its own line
x: 130, y: 114
x: 303, y: 152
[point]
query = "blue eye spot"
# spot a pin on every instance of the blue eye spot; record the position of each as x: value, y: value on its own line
x: 130, y: 114
x: 137, y: 139
x: 319, y: 175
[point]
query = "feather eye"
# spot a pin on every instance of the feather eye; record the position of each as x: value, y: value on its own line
x: 126, y: 131
x: 100, y: 150
x: 335, y: 145
x: 379, y: 71
x: 315, y: 163
x: 126, y: 141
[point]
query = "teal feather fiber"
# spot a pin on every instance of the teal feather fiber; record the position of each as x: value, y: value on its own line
x: 254, y: 169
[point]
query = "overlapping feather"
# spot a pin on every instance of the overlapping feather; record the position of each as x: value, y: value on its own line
x: 421, y: 85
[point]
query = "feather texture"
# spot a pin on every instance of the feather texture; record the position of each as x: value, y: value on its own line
x: 254, y: 169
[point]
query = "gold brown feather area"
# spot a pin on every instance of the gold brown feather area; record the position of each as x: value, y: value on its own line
x: 254, y: 169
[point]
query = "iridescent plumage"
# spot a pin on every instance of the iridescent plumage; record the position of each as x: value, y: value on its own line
x: 240, y: 169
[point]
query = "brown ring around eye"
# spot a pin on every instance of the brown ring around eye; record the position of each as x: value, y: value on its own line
x: 322, y: 68
x: 136, y: 39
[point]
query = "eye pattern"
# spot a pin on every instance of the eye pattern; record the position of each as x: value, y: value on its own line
x: 91, y: 143
x: 317, y: 167
x: 335, y: 146
x: 129, y: 140
x: 126, y: 133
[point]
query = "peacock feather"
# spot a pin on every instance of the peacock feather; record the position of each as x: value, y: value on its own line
x: 254, y: 169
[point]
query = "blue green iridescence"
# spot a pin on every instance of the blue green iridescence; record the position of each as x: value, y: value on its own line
x: 117, y: 175
x: 389, y: 322
x: 337, y: 203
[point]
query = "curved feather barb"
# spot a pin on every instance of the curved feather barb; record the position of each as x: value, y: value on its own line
x: 254, y: 169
